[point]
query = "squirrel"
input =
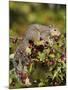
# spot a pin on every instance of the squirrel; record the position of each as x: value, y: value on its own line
x: 37, y: 31
x: 34, y: 33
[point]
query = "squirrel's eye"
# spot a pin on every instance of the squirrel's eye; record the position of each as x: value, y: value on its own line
x: 54, y: 29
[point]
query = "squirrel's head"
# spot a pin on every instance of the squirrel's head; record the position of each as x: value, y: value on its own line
x: 54, y: 31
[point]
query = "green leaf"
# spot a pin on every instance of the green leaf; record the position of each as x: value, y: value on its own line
x: 61, y: 76
x: 52, y: 55
x: 30, y: 69
x: 41, y: 84
x: 39, y: 42
x: 56, y: 72
x: 47, y: 50
x: 28, y: 50
x: 41, y: 56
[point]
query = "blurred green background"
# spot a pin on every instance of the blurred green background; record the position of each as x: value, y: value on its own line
x: 23, y: 14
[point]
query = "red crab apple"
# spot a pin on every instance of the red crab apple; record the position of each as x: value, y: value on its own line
x: 63, y: 57
x: 52, y: 62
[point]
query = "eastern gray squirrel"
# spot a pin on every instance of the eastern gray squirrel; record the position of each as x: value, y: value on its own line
x: 35, y: 32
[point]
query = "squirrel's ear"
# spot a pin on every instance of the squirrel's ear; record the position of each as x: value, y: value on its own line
x: 51, y: 26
